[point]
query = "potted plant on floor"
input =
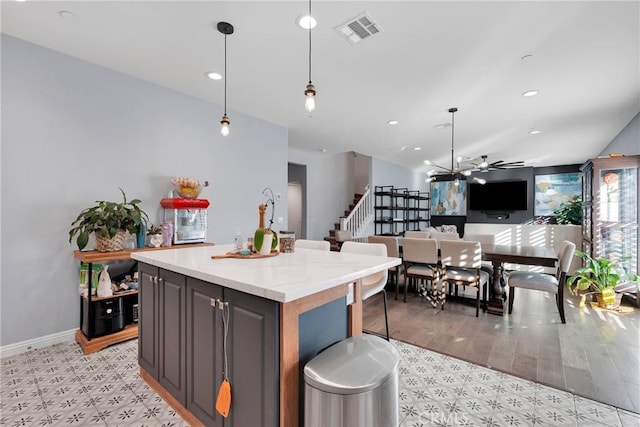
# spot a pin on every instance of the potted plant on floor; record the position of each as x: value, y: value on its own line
x: 109, y: 221
x: 600, y: 275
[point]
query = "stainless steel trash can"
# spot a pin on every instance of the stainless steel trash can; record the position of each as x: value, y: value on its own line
x: 353, y: 383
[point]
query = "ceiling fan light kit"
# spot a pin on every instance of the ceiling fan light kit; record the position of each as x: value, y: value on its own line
x: 457, y: 171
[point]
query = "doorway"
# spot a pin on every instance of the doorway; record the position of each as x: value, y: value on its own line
x: 296, y: 200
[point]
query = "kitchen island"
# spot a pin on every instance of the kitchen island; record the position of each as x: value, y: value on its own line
x: 283, y: 310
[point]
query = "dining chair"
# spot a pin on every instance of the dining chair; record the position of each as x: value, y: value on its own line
x: 375, y: 283
x: 416, y: 234
x: 321, y: 245
x: 342, y: 236
x: 484, y: 239
x: 441, y: 235
x: 393, y: 250
x: 420, y: 260
x: 545, y: 282
x: 461, y: 265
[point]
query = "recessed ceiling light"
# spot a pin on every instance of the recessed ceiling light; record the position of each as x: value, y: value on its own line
x: 530, y: 93
x: 322, y: 150
x: 213, y: 75
x: 67, y: 15
x: 534, y: 132
x: 392, y: 122
x: 306, y: 22
x: 442, y: 125
x: 417, y: 148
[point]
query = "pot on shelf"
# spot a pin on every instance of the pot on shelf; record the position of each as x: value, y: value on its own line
x: 113, y: 244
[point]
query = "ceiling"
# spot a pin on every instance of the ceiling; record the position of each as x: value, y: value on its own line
x: 582, y: 56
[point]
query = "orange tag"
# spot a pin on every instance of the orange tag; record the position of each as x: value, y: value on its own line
x: 223, y: 404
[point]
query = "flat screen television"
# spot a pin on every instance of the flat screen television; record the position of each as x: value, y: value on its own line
x: 498, y: 196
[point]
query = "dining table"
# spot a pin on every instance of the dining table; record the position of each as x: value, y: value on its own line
x: 498, y: 255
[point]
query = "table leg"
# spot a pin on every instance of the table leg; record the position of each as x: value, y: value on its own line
x: 496, y: 303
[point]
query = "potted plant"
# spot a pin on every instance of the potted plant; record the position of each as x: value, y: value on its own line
x: 109, y: 221
x: 154, y: 234
x: 600, y: 275
x: 570, y: 212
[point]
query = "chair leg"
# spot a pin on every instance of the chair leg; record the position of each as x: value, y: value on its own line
x: 477, y: 301
x: 405, y: 286
x: 386, y: 318
x: 560, y: 302
x: 511, y: 292
x: 397, y: 276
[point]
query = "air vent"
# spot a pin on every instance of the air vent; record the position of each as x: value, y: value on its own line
x: 359, y: 28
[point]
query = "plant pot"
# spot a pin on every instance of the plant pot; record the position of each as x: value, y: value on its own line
x: 608, y: 304
x: 155, y: 240
x: 106, y: 244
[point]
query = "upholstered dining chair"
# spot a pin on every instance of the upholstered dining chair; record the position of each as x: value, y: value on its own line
x: 320, y: 245
x: 441, y: 235
x: 375, y: 283
x: 416, y: 234
x: 545, y: 282
x: 484, y: 239
x: 420, y: 260
x: 393, y: 250
x: 461, y: 265
x: 342, y: 236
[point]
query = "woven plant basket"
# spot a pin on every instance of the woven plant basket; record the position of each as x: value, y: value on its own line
x: 116, y: 243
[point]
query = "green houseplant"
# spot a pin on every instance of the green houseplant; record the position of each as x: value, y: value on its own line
x: 600, y: 276
x: 109, y: 221
x: 570, y: 212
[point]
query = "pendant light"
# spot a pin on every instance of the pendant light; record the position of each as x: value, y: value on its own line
x: 310, y: 92
x: 226, y: 29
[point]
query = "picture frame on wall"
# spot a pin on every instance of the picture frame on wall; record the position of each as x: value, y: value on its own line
x: 448, y: 199
x: 552, y: 190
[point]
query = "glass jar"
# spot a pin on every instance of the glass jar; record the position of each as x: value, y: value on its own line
x: 287, y: 241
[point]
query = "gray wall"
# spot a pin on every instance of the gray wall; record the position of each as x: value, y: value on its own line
x: 628, y: 140
x: 72, y: 133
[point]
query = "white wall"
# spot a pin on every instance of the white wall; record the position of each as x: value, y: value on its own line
x: 330, y: 186
x: 72, y: 133
x: 386, y: 173
x: 627, y: 141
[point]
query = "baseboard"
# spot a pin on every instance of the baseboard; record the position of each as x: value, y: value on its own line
x: 35, y: 343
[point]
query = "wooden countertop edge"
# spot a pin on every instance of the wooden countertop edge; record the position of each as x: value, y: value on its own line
x: 95, y: 256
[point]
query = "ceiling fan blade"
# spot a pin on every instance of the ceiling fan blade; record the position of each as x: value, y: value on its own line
x: 501, y: 164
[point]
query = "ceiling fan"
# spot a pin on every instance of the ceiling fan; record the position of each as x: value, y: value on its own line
x: 456, y: 170
x: 485, y: 166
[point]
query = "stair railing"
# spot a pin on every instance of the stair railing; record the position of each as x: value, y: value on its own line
x: 360, y: 217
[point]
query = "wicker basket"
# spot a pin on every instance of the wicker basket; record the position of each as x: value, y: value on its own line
x: 105, y: 244
x: 612, y: 306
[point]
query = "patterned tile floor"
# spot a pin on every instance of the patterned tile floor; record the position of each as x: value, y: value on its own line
x: 60, y: 386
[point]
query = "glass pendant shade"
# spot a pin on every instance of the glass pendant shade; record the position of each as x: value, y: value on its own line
x: 310, y: 100
x: 224, y: 125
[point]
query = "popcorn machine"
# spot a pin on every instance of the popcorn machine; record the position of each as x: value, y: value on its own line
x: 189, y: 218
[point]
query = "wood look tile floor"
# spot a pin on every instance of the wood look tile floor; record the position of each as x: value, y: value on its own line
x: 596, y: 354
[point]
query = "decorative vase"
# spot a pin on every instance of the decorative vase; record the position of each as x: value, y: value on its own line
x: 140, y: 236
x: 113, y: 244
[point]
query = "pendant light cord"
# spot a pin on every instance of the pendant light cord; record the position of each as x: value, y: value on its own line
x: 225, y: 74
x: 453, y: 114
x: 309, y: 41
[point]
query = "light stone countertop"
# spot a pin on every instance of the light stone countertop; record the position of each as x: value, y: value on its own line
x: 283, y: 278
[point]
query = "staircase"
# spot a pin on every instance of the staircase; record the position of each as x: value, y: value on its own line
x: 356, y: 219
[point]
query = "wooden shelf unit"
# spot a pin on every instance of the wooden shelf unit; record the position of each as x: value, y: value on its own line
x: 89, y: 343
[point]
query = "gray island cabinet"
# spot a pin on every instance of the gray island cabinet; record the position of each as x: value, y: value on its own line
x: 282, y: 311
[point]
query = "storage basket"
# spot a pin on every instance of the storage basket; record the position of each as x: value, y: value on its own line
x: 105, y: 244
